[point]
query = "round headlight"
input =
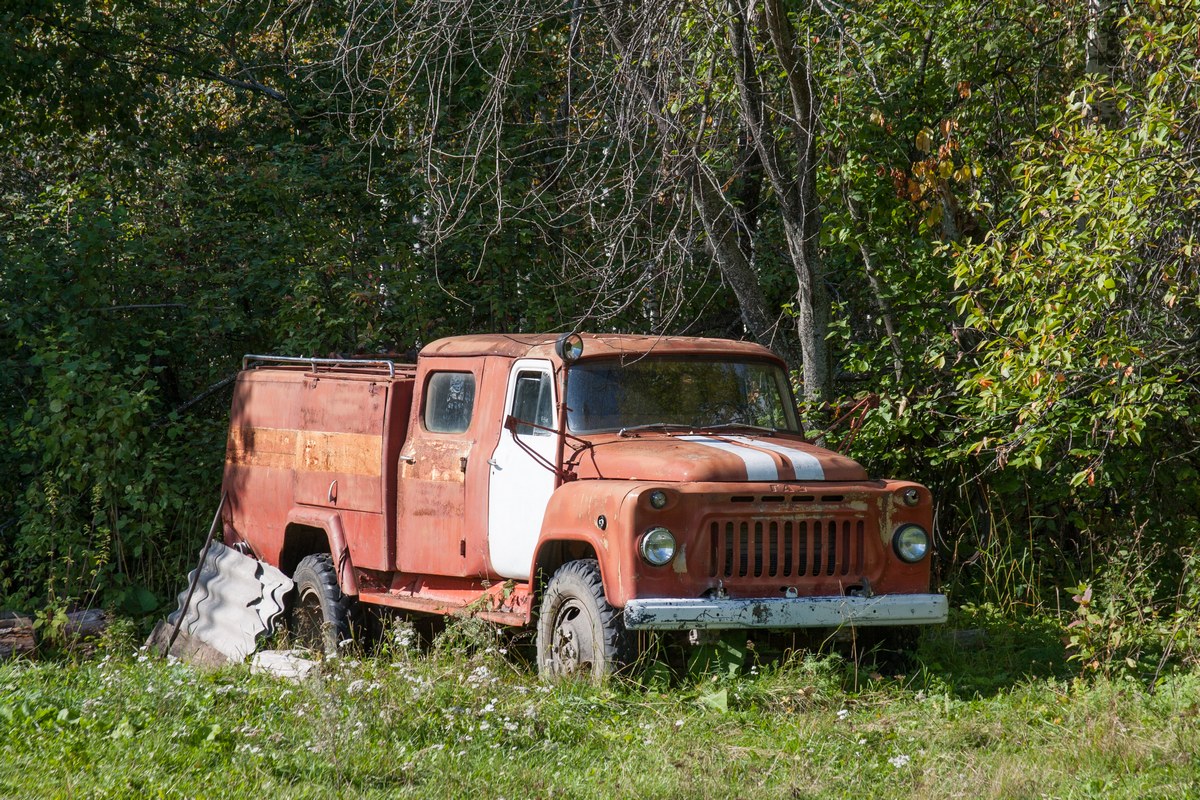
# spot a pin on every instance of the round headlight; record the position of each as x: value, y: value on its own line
x: 910, y: 496
x: 569, y: 347
x: 910, y: 542
x: 658, y: 498
x: 658, y: 546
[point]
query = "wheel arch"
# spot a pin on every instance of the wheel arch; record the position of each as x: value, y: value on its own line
x: 563, y: 548
x: 312, y: 530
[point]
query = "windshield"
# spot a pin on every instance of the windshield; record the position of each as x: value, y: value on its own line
x: 605, y: 395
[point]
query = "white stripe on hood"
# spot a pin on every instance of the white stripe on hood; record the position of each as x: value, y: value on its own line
x: 806, y: 465
x: 759, y: 466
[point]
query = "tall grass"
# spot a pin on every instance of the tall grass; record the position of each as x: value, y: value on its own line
x: 1006, y: 718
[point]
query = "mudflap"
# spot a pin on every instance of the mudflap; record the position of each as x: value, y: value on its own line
x: 236, y: 599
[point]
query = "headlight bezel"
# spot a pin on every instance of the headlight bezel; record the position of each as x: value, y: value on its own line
x: 906, y: 549
x: 652, y: 546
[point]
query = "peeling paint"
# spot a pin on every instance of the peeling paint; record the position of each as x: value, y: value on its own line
x: 780, y: 612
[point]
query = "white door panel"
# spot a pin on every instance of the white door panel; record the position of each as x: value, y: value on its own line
x: 521, y: 482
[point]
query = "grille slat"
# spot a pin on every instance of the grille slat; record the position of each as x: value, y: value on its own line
x: 786, y: 548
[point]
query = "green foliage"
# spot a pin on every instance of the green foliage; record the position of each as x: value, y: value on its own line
x: 1040, y: 275
x: 1127, y: 625
x: 1015, y: 279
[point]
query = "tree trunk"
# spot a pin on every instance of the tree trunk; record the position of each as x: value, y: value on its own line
x: 1103, y: 57
x: 724, y: 241
x: 794, y: 184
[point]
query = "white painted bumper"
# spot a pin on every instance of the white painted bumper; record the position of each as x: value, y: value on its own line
x: 784, y: 612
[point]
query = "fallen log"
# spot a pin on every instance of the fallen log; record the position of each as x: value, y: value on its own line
x: 19, y: 637
x: 16, y: 635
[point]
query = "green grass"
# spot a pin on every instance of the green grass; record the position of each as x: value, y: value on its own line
x: 1004, y: 719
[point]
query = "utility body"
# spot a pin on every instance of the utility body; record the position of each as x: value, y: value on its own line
x: 597, y: 484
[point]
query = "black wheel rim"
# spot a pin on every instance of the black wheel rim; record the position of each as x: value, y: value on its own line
x: 572, y: 648
x: 309, y: 622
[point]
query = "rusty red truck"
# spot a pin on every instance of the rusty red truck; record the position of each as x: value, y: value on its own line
x: 593, y: 485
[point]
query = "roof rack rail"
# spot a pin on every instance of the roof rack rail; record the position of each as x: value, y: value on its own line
x: 328, y: 363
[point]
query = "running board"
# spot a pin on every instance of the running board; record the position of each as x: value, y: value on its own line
x: 505, y: 603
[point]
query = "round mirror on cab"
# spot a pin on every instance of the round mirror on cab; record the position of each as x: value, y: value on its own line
x: 569, y: 347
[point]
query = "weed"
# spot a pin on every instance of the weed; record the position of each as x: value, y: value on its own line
x: 1000, y: 718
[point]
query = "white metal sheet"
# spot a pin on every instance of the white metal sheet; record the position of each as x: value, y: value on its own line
x: 237, y: 598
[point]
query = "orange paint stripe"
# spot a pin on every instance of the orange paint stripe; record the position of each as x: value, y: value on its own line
x: 305, y: 451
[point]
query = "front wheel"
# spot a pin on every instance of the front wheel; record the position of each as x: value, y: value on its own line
x: 579, y: 632
x: 321, y: 614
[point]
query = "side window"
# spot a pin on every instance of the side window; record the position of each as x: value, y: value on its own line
x: 533, y: 402
x: 449, y: 401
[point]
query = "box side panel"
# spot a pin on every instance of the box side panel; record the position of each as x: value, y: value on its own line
x: 260, y: 455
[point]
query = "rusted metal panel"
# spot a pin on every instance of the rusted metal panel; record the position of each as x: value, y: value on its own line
x: 503, y: 602
x: 258, y: 480
x: 339, y: 452
x: 789, y: 523
x: 442, y: 487
x: 299, y: 439
x: 395, y: 425
x: 782, y: 612
x: 236, y: 598
x: 658, y: 456
x: 541, y: 345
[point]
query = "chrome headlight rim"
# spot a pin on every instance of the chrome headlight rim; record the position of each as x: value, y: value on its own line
x: 911, y: 543
x: 657, y: 546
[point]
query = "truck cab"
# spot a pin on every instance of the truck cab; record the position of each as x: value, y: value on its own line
x: 592, y: 485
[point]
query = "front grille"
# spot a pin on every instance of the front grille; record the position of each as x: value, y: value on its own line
x: 786, y: 548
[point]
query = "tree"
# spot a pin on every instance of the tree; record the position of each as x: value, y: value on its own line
x: 653, y: 126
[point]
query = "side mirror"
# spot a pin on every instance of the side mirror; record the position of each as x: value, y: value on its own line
x: 569, y: 347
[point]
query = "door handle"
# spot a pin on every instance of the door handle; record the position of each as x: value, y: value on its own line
x: 495, y: 463
x: 408, y: 459
x: 332, y: 496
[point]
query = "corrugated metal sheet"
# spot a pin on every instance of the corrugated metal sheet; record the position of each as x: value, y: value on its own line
x: 237, y: 598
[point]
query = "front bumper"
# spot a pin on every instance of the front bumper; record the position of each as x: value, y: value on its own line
x: 784, y: 612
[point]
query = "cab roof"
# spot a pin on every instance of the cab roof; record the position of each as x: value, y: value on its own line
x: 595, y: 345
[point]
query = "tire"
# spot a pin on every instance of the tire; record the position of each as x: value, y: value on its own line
x: 579, y: 634
x: 321, y: 615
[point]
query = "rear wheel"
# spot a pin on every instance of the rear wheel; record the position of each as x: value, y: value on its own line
x: 579, y: 632
x: 321, y: 614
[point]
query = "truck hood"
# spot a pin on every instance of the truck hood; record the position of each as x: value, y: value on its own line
x: 716, y: 457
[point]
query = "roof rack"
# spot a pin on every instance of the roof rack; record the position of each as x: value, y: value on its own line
x: 381, y: 364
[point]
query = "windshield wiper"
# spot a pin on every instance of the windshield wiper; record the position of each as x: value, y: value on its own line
x: 655, y: 426
x: 743, y: 425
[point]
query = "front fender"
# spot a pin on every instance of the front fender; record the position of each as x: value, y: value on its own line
x: 596, y: 512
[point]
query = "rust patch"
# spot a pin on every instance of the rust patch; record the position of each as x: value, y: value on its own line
x: 353, y: 453
x: 305, y: 451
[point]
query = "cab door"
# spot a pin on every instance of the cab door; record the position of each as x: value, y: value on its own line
x: 432, y: 495
x: 521, y: 475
